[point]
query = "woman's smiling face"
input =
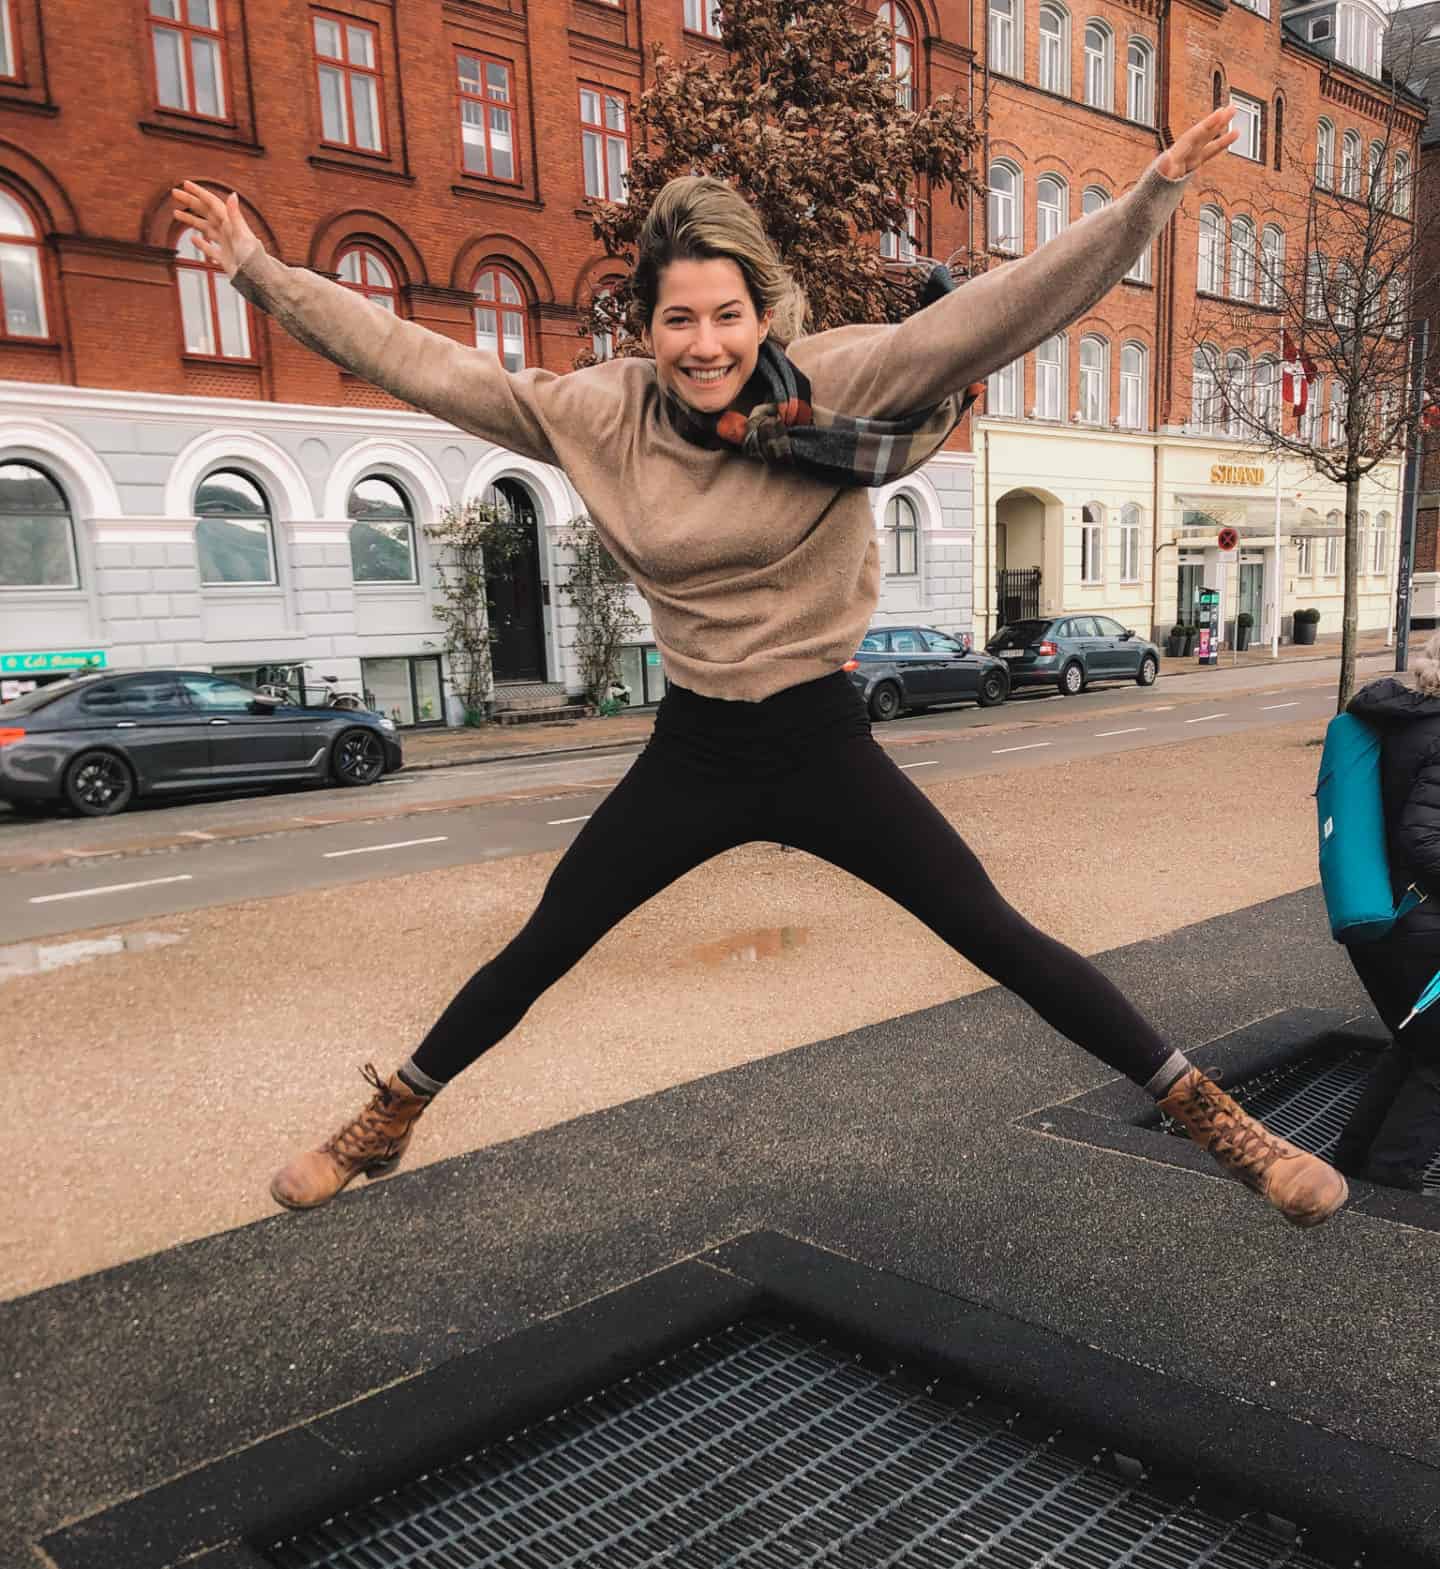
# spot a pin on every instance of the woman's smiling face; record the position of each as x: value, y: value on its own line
x: 705, y: 333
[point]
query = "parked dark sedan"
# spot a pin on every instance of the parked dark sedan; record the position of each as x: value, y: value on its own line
x: 1069, y: 652
x: 98, y: 741
x: 912, y: 667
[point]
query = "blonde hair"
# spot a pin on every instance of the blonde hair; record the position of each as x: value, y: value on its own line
x: 1427, y: 668
x: 700, y: 218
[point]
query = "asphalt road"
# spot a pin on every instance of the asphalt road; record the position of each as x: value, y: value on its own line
x: 178, y: 858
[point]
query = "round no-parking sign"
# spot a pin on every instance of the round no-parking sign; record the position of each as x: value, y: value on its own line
x: 1228, y: 539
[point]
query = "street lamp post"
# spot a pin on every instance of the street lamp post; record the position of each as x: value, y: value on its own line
x: 1419, y: 350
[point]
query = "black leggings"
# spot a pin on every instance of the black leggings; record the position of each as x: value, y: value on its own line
x: 801, y: 769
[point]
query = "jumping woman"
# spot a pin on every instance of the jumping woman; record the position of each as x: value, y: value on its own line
x: 727, y: 477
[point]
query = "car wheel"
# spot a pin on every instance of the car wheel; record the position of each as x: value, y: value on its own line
x: 1145, y: 676
x: 1072, y: 679
x: 885, y: 701
x: 99, y: 784
x: 994, y: 689
x: 358, y: 757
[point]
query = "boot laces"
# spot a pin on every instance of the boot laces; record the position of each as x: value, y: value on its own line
x: 362, y: 1134
x: 1248, y: 1144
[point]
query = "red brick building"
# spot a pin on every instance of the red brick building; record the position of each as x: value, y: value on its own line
x: 188, y: 484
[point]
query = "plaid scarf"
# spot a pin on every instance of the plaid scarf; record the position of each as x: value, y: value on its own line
x: 774, y: 421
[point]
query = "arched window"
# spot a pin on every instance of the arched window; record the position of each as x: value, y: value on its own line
x: 1140, y: 81
x: 1092, y: 543
x: 22, y: 279
x: 37, y: 531
x: 1051, y: 207
x: 1351, y: 156
x: 1055, y: 49
x: 1400, y: 190
x: 1212, y: 251
x: 1094, y: 380
x: 382, y: 532
x: 1005, y: 37
x: 1374, y: 301
x: 1004, y: 207
x: 1099, y: 66
x: 895, y: 246
x: 1092, y: 199
x: 368, y: 273
x: 1050, y: 378
x: 1315, y: 287
x: 1134, y: 377
x: 1325, y: 155
x: 1129, y: 543
x: 216, y: 319
x: 500, y: 316
x: 234, y: 537
x: 1395, y: 308
x: 1237, y: 391
x: 1331, y: 566
x: 1204, y: 399
x: 603, y: 343
x: 895, y: 20
x: 1312, y: 421
x: 1267, y: 393
x: 1279, y: 130
x: 1339, y: 411
x: 1242, y: 259
x: 1272, y: 264
x: 902, y: 524
x: 1343, y: 296
x: 1375, y: 175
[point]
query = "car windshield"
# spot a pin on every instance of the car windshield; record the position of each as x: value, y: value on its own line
x: 1019, y: 634
x: 41, y: 697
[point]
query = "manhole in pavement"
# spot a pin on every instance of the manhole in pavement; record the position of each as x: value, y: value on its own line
x: 1309, y: 1101
x: 763, y: 1446
x: 768, y: 942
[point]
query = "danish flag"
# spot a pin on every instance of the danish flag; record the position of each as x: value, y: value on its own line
x: 1299, y: 371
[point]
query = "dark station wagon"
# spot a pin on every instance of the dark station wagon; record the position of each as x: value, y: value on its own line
x: 899, y: 668
x: 1071, y: 651
x: 98, y: 741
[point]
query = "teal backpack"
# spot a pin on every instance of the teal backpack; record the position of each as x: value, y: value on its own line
x: 1354, y: 866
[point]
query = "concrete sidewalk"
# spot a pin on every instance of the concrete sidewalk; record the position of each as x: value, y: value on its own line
x: 500, y: 743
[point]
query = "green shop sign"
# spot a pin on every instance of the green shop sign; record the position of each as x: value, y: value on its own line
x: 38, y: 664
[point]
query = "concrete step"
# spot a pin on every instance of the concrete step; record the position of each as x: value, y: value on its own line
x: 542, y: 716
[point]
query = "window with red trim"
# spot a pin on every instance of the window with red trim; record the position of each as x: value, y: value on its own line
x: 347, y: 64
x: 604, y: 142
x: 189, y: 54
x: 9, y: 42
x: 216, y: 319
x: 500, y: 316
x: 22, y: 273
x: 369, y: 274
x: 703, y: 16
x: 487, y: 117
x: 894, y: 19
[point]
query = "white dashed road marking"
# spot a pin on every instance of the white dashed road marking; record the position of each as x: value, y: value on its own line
x: 560, y: 822
x: 399, y: 844
x: 1134, y: 730
x: 1203, y: 717
x: 86, y: 893
x: 1001, y: 750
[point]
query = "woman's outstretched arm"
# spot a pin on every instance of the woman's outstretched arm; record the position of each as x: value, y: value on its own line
x: 468, y: 387
x: 1006, y: 312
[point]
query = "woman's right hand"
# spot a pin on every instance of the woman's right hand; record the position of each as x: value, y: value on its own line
x: 220, y: 229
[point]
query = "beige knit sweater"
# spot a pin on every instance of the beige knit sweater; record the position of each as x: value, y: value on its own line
x: 757, y: 578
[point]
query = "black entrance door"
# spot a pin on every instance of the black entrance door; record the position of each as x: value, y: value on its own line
x: 518, y: 652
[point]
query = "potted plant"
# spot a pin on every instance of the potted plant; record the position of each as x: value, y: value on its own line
x: 1175, y: 643
x: 1191, y: 633
x: 1243, y: 622
x: 1307, y: 622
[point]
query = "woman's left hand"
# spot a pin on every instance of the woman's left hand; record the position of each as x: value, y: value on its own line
x: 1199, y: 144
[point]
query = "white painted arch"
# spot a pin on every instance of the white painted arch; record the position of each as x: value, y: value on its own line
x: 269, y: 463
x: 918, y: 489
x: 395, y: 460
x: 556, y: 503
x: 88, y: 485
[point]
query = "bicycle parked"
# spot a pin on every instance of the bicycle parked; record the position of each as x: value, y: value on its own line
x: 288, y: 686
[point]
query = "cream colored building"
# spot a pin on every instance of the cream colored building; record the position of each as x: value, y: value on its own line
x: 1126, y: 524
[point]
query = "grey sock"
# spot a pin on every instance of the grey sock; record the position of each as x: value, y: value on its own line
x: 421, y: 1083
x: 1162, y: 1081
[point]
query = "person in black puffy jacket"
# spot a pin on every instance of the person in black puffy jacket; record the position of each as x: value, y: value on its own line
x: 1394, y: 1131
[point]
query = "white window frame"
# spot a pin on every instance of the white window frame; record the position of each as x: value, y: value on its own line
x: 1305, y: 556
x: 1265, y: 391
x: 1140, y: 81
x: 1314, y: 416
x: 1005, y: 38
x: 1005, y: 209
x: 1099, y: 66
x: 1272, y: 263
x: 1129, y: 541
x: 1242, y: 258
x: 1095, y: 382
x: 1380, y: 545
x: 1050, y: 378
x: 1210, y: 274
x: 1051, y: 218
x: 1055, y: 50
x: 1092, y: 544
x: 900, y: 534
x: 1237, y: 391
x: 902, y: 247
x: 1002, y: 390
x: 701, y: 17
x: 1325, y: 155
x: 1249, y: 117
x: 1352, y: 164
x: 1134, y: 382
x: 1330, y: 564
x: 1339, y: 400
x: 1400, y: 186
x: 1204, y: 394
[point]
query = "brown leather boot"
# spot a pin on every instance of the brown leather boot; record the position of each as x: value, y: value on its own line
x: 1302, y: 1187
x: 372, y: 1142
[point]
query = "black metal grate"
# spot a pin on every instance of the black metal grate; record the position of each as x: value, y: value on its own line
x: 764, y: 1448
x: 1310, y: 1100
